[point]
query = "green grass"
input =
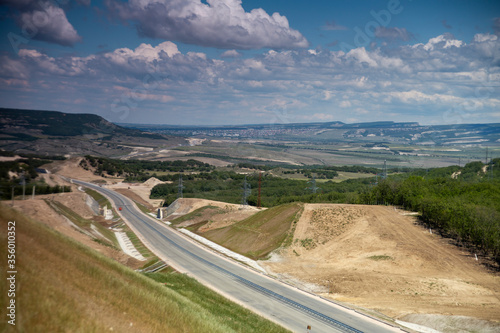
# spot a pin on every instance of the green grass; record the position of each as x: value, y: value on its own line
x: 101, y: 199
x: 64, y: 286
x: 259, y: 234
x: 138, y: 244
x: 143, y: 208
x: 216, y: 304
x: 194, y: 214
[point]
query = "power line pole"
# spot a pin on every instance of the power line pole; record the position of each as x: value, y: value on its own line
x: 313, y: 187
x: 180, y: 187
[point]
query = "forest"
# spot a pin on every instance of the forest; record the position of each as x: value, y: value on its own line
x: 135, y: 170
x: 461, y: 203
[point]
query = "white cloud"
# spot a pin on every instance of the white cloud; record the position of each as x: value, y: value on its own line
x: 415, y: 82
x: 45, y: 21
x: 443, y: 41
x: 143, y: 53
x: 362, y: 56
x: 345, y: 104
x: 230, y: 54
x: 217, y: 23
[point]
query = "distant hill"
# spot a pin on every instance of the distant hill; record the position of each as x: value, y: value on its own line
x: 328, y: 132
x: 53, y: 132
x: 54, y: 123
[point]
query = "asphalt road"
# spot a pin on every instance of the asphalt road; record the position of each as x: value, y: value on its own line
x: 285, y: 305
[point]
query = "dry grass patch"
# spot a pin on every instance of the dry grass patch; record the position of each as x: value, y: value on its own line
x: 64, y: 286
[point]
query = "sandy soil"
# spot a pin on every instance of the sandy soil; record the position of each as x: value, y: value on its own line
x: 134, y: 196
x: 71, y: 168
x: 75, y: 201
x: 379, y: 258
x: 9, y: 158
x: 140, y: 192
x: 187, y: 205
x: 39, y: 210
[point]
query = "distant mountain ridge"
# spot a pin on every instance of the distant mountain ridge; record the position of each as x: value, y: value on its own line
x: 54, y: 132
x: 55, y: 123
x: 369, y: 132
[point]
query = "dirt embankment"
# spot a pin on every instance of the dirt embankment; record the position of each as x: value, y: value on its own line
x: 71, y: 168
x: 378, y: 258
x: 39, y: 210
x: 213, y: 214
x: 140, y: 192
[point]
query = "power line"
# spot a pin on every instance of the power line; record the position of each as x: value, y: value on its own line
x: 313, y: 187
x: 180, y: 187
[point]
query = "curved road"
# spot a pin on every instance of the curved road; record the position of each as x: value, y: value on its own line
x: 285, y: 305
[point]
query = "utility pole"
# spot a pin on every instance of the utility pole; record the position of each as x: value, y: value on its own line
x: 33, y: 193
x: 313, y: 187
x: 180, y: 187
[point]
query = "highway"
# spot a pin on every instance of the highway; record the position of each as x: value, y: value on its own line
x: 281, y: 303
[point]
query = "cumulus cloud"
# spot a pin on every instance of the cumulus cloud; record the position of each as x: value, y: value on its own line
x: 144, y: 53
x: 230, y: 54
x: 423, y: 80
x: 50, y: 25
x: 393, y: 34
x: 443, y: 41
x: 218, y: 23
x: 43, y: 20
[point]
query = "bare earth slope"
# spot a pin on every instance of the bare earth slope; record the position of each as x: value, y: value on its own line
x: 378, y: 258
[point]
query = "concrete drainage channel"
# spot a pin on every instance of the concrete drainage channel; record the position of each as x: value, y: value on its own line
x: 127, y: 246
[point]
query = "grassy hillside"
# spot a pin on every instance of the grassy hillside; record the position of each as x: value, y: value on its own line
x: 58, y: 133
x: 260, y: 234
x: 63, y: 286
x: 54, y: 123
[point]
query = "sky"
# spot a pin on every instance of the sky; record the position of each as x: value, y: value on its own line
x: 224, y: 62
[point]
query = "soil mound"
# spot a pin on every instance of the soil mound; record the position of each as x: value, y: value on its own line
x: 381, y: 258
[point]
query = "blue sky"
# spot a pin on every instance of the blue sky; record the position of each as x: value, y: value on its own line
x: 193, y: 62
